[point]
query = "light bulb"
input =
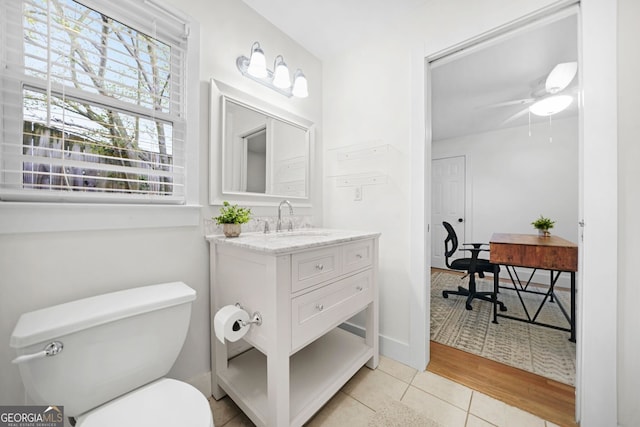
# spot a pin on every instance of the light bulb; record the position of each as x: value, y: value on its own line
x: 551, y: 105
x: 257, y: 63
x: 300, y: 88
x: 561, y: 76
x: 281, y: 77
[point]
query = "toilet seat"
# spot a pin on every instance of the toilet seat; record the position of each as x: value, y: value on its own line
x: 162, y: 403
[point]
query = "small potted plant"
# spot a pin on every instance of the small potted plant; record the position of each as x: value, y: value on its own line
x: 231, y: 217
x: 543, y: 225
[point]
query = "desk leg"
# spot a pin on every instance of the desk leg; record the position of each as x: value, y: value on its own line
x: 494, y: 297
x: 573, y: 307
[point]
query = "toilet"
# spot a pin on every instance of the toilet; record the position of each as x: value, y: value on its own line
x: 104, y: 358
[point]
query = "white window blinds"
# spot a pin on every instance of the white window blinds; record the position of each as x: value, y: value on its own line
x: 92, y: 108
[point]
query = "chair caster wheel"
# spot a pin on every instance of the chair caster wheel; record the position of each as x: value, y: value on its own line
x: 468, y: 307
x: 503, y: 308
x: 445, y: 294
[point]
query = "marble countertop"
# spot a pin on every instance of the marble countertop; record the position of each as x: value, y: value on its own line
x: 290, y: 241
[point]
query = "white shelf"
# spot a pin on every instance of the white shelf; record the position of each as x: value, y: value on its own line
x: 317, y: 372
x: 358, y: 180
x: 357, y: 152
x: 360, y: 164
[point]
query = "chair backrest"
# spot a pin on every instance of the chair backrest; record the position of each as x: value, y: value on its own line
x: 450, y: 243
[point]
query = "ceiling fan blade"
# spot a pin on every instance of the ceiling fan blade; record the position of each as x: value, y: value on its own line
x: 515, y: 116
x: 522, y: 101
x: 561, y: 76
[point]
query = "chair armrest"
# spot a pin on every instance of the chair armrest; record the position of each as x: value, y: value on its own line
x: 475, y: 252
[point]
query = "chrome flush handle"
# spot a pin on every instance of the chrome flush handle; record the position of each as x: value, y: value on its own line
x: 50, y: 349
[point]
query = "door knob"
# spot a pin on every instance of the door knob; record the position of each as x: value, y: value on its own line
x: 460, y: 220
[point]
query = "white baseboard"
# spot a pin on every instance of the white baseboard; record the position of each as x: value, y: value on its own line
x: 389, y: 347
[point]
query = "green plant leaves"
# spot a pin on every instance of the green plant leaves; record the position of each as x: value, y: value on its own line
x: 233, y: 214
x: 543, y: 223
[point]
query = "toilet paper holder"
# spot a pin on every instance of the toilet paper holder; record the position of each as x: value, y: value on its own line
x: 256, y: 318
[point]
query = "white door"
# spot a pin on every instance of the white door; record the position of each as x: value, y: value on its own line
x: 448, y: 195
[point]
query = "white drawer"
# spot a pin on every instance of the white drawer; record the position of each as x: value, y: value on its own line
x: 313, y: 267
x: 357, y: 255
x: 319, y: 311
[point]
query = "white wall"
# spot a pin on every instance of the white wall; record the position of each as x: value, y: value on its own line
x: 513, y: 178
x: 364, y: 94
x: 629, y: 225
x: 42, y: 269
x: 370, y: 94
x: 229, y: 28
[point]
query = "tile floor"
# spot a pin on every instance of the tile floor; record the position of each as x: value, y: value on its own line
x: 447, y: 402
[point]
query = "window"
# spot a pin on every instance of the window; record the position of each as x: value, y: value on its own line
x: 93, y: 102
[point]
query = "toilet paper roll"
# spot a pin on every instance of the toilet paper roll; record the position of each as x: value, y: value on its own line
x: 228, y: 321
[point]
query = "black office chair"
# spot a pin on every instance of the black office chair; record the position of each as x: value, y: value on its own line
x: 471, y: 265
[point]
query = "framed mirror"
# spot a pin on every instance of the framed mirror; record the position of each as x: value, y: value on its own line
x: 259, y: 153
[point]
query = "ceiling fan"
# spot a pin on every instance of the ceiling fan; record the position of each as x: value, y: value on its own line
x: 546, y: 99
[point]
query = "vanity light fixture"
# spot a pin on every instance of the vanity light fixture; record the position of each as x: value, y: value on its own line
x: 279, y: 80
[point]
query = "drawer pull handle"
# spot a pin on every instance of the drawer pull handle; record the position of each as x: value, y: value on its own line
x: 359, y: 288
x: 319, y: 307
x: 319, y: 267
x: 359, y: 256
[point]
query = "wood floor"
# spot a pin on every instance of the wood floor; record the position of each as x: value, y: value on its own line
x: 548, y: 399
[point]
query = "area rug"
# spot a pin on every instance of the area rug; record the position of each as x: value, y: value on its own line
x: 397, y: 414
x: 538, y: 349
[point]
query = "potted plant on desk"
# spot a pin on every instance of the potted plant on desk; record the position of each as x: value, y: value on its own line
x: 231, y: 217
x: 543, y: 225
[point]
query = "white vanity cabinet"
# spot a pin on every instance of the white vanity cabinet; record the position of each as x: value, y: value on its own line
x: 304, y: 284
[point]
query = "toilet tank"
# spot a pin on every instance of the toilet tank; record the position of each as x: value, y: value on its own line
x: 113, y: 343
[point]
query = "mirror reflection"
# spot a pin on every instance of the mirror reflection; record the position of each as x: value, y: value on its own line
x: 263, y: 154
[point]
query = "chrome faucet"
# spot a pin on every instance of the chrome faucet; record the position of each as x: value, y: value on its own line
x: 279, y: 224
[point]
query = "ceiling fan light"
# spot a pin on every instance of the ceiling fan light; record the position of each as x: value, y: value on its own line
x: 257, y: 63
x: 551, y: 105
x: 561, y: 76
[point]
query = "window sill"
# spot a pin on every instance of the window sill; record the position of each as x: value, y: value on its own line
x: 17, y: 217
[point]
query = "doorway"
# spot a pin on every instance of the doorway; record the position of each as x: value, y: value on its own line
x: 523, y: 165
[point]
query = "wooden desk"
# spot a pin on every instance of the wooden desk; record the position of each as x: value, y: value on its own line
x: 532, y: 251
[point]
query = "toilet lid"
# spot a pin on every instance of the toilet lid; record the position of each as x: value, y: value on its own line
x: 164, y: 402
